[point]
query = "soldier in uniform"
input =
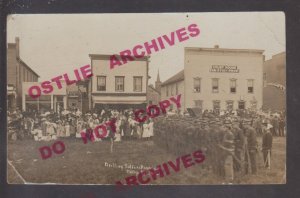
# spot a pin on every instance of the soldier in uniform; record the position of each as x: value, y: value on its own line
x: 206, y: 143
x: 251, y: 147
x: 227, y: 147
x: 219, y: 135
x: 239, y: 140
x: 267, y: 140
x: 213, y: 146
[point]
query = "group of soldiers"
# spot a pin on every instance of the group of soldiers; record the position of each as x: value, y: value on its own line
x: 229, y: 143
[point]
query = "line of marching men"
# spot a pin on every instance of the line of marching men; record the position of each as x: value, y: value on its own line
x: 230, y: 144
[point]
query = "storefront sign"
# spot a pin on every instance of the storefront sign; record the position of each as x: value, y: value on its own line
x: 224, y: 69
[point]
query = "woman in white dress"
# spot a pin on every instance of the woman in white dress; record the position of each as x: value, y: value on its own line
x: 79, y: 128
x: 67, y: 129
x: 118, y: 131
x: 60, y: 129
x: 150, y: 126
x: 146, y: 132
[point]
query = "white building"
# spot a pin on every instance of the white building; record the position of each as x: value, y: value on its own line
x: 172, y: 87
x: 122, y: 87
x: 218, y: 78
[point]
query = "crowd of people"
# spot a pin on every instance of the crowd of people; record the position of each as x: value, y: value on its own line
x: 71, y: 123
x: 228, y: 140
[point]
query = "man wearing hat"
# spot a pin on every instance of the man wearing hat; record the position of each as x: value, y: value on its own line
x: 267, y: 140
x: 218, y: 139
x: 213, y: 133
x: 251, y: 147
x: 227, y: 147
x: 239, y: 140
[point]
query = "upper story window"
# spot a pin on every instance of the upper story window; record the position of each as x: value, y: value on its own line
x: 119, y: 83
x: 250, y: 85
x: 265, y: 79
x: 197, y: 85
x: 172, y: 90
x: 101, y: 83
x: 215, y: 85
x: 137, y: 83
x: 28, y: 76
x: 232, y: 85
x: 167, y: 90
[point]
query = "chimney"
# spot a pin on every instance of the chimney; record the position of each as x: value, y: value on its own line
x: 216, y: 46
x: 17, y: 40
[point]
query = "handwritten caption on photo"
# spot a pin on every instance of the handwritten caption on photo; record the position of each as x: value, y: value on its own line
x: 164, y: 169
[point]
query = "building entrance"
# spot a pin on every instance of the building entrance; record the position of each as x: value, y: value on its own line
x: 242, y: 104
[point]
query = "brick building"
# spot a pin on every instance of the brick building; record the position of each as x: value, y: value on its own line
x: 275, y: 83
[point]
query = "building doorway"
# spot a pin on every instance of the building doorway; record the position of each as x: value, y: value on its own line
x: 242, y: 104
x: 216, y: 106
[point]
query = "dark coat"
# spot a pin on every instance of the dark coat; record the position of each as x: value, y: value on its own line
x: 267, y: 141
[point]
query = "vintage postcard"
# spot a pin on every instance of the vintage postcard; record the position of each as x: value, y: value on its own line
x: 146, y: 99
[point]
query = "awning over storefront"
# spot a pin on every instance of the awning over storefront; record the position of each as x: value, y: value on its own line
x: 119, y: 100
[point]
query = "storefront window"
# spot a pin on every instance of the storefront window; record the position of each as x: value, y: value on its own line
x: 45, y: 103
x: 241, y: 104
x: 31, y: 106
x: 216, y: 106
x: 253, y: 104
x: 198, y: 103
x: 229, y: 105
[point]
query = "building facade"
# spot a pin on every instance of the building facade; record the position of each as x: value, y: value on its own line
x: 153, y: 96
x: 172, y: 87
x: 122, y: 87
x: 77, y: 96
x: 275, y: 83
x: 17, y: 73
x: 55, y: 101
x: 153, y: 93
x: 223, y: 79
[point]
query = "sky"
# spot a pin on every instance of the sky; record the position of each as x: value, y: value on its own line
x: 54, y: 44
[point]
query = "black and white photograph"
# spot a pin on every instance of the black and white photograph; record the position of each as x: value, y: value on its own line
x: 146, y: 98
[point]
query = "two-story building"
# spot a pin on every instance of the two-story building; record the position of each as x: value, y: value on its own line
x: 275, y: 82
x: 119, y: 88
x: 218, y: 79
